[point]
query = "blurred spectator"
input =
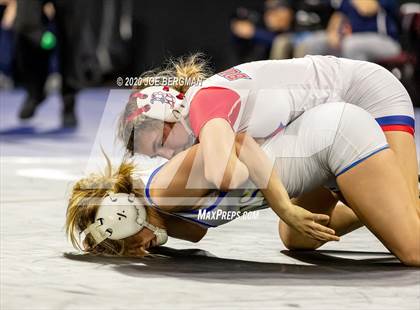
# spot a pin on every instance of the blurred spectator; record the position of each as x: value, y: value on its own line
x: 406, y: 65
x: 93, y: 40
x: 7, y: 17
x: 273, y: 34
x: 359, y: 29
x: 312, y: 15
x: 34, y: 46
x: 278, y: 18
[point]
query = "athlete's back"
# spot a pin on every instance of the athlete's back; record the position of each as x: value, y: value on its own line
x: 265, y: 95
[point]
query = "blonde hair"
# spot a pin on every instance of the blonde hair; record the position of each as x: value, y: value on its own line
x: 192, y: 67
x: 84, y: 203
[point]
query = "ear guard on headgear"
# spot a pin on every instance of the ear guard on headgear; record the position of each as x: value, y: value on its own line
x: 120, y: 216
x: 160, y: 102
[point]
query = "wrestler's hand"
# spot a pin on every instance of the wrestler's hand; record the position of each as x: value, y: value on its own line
x: 138, y: 244
x: 309, y: 224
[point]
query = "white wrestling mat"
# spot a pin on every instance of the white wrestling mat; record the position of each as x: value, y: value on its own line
x: 242, y: 265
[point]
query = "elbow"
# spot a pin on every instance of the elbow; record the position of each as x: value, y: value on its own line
x: 239, y: 176
x: 229, y: 179
x: 214, y: 177
x: 159, y: 198
x: 199, y: 236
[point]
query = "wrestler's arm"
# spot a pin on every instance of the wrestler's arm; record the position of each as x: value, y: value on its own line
x: 175, y: 227
x: 218, y: 131
x: 212, y: 115
x: 222, y: 166
x: 187, y: 168
x: 321, y: 200
x: 183, y: 229
x: 268, y: 181
x: 333, y: 29
x: 171, y: 188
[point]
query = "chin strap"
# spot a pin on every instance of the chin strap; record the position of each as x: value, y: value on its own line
x: 186, y: 127
x: 97, y: 235
x: 160, y: 233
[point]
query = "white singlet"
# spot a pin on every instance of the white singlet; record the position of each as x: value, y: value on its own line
x: 262, y: 97
x: 317, y: 147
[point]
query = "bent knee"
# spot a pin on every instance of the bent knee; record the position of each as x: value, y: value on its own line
x: 294, y: 242
x: 410, y: 257
x: 295, y: 246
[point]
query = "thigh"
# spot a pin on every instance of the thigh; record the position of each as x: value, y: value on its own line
x: 404, y: 148
x: 320, y: 200
x: 369, y: 46
x: 281, y: 47
x: 375, y: 189
x: 314, y: 44
x: 377, y: 91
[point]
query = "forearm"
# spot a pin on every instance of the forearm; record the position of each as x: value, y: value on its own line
x: 187, y: 168
x: 266, y: 179
x: 334, y: 23
x: 181, y: 182
x: 262, y: 173
x: 222, y: 167
x: 184, y: 230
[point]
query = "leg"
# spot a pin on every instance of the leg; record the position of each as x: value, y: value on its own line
x: 314, y: 44
x: 369, y: 46
x: 281, y: 47
x: 31, y: 59
x: 379, y: 92
x: 404, y: 148
x: 342, y: 219
x: 376, y: 191
x: 66, y: 19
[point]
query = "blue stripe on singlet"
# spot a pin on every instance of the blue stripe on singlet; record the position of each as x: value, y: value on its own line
x: 396, y: 120
x: 362, y: 159
x: 210, y: 208
x: 149, y: 199
x: 147, y: 188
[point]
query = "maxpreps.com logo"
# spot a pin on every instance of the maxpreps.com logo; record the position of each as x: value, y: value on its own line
x: 233, y: 74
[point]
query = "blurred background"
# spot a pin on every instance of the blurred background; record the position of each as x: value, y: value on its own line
x: 60, y: 58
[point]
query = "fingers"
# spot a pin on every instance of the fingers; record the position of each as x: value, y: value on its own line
x: 324, y: 229
x: 325, y: 237
x: 323, y: 233
x: 321, y: 218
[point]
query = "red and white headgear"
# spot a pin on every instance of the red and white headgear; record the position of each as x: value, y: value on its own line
x: 161, y: 103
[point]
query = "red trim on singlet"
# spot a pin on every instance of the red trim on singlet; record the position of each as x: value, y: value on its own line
x: 404, y: 128
x: 213, y: 102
